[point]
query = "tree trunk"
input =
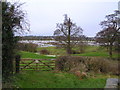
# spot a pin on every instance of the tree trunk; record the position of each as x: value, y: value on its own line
x: 69, y: 46
x: 110, y: 50
x: 69, y: 50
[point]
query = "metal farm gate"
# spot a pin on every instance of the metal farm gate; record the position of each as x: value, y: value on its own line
x: 37, y: 64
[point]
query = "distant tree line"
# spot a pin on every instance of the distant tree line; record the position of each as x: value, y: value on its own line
x: 36, y: 37
x: 29, y: 47
x: 48, y: 38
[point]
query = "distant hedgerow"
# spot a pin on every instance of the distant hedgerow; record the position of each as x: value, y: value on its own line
x: 27, y: 47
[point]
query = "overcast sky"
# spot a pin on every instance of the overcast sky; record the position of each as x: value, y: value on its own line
x: 44, y: 14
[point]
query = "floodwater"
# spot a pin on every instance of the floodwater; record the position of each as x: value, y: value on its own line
x: 46, y: 43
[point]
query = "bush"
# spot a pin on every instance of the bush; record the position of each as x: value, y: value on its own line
x: 95, y: 64
x: 70, y: 63
x: 102, y: 65
x: 27, y: 47
x: 44, y: 51
x: 86, y: 64
x: 113, y: 68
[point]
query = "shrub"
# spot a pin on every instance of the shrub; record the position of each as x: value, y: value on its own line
x: 81, y: 67
x: 113, y: 68
x: 70, y: 63
x: 27, y: 47
x: 102, y: 65
x: 86, y: 64
x: 44, y: 51
x: 94, y: 64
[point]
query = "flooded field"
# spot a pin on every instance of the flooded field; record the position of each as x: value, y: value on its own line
x: 50, y: 43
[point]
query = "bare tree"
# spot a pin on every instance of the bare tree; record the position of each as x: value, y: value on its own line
x: 108, y: 36
x: 67, y: 34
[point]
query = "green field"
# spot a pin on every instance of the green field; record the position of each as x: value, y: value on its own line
x: 33, y: 79
x: 89, y: 51
x: 25, y: 54
x: 53, y: 50
x: 97, y: 52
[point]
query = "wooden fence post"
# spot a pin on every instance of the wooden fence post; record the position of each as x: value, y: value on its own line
x: 17, y: 59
